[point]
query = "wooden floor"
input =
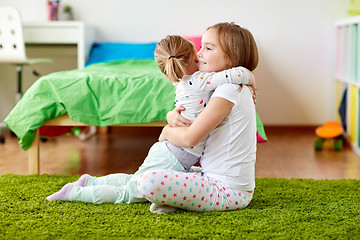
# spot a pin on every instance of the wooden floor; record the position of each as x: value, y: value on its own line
x: 289, y: 153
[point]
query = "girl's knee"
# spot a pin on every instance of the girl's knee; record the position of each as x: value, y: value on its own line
x: 150, y: 181
x: 146, y: 184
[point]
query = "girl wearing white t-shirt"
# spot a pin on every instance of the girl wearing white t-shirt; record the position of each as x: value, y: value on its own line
x: 193, y: 89
x: 227, y: 179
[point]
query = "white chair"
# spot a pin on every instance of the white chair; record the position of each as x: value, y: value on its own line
x: 12, y: 45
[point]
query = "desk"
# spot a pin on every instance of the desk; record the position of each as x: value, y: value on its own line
x: 61, y: 32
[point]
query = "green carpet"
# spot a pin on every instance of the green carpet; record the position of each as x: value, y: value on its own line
x: 281, y: 209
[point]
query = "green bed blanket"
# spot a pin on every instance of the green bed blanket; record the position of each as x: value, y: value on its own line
x: 103, y: 94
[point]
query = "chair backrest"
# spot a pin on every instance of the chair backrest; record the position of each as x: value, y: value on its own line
x: 12, y: 46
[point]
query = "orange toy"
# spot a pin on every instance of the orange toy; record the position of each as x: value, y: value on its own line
x: 331, y: 130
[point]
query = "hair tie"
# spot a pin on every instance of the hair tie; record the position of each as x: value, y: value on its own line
x: 171, y: 57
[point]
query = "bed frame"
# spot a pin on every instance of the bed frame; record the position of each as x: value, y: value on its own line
x: 64, y: 120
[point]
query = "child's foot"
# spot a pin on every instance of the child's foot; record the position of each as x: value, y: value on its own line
x: 82, y: 180
x: 63, y: 194
x: 160, y: 209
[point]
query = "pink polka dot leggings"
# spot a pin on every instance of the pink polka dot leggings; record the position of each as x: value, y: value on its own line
x: 190, y: 191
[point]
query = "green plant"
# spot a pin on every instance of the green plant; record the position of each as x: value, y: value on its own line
x: 67, y: 9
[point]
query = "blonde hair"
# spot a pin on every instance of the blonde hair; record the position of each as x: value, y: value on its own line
x: 172, y: 55
x: 238, y: 44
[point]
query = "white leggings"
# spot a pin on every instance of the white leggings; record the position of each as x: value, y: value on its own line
x: 190, y: 191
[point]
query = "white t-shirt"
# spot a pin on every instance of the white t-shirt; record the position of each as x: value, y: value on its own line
x: 230, y: 151
x: 193, y: 92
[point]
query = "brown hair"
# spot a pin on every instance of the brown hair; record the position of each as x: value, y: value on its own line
x: 172, y: 54
x: 238, y: 44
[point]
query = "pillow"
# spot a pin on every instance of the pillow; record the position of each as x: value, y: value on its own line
x: 196, y: 41
x: 111, y: 51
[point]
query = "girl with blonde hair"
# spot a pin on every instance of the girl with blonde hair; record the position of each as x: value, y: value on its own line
x: 177, y: 59
x: 227, y: 179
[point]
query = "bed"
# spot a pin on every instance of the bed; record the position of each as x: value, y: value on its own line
x: 121, y: 85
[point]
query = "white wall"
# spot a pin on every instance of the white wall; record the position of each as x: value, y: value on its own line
x: 295, y: 40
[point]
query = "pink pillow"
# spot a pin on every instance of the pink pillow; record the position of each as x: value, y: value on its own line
x: 196, y: 41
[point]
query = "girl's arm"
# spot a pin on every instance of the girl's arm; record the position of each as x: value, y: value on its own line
x: 237, y: 75
x: 216, y: 110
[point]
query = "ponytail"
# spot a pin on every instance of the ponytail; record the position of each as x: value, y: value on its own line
x: 172, y: 54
